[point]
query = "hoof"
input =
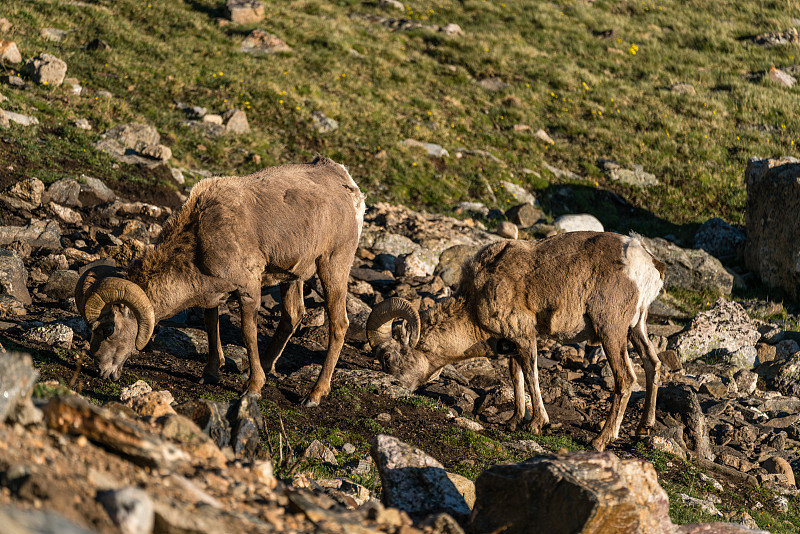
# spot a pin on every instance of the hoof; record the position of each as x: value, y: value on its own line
x: 252, y: 396
x: 598, y: 444
x: 209, y: 380
x: 644, y: 431
x: 308, y: 403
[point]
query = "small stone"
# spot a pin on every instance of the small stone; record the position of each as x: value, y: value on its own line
x: 433, y: 149
x: 394, y: 4
x: 715, y: 388
x: 46, y: 69
x: 9, y: 53
x: 244, y: 11
x: 159, y: 152
x: 452, y: 29
x: 683, y: 89
x: 54, y: 335
x: 782, y: 78
x: 779, y: 466
x: 23, y: 120
x: 576, y: 223
x: 235, y: 122
x: 541, y: 134
x: 83, y: 124
x: 130, y: 508
x: 260, y: 42
x: 469, y: 424
x: 53, y: 34
x: 519, y: 193
x: 320, y: 451
x: 493, y: 84
x: 508, y: 230
x: 384, y: 418
x: 323, y: 124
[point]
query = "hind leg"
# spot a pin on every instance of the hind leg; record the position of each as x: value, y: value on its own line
x: 215, y: 356
x: 616, y: 348
x: 292, y: 310
x: 652, y: 369
x: 334, y: 282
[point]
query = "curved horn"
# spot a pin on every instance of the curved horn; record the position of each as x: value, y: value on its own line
x: 379, y: 323
x: 121, y: 291
x: 91, y: 276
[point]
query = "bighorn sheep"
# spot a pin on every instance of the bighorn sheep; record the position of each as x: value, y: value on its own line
x: 277, y: 226
x: 570, y: 287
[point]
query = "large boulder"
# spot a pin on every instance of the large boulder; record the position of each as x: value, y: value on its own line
x: 25, y: 194
x: 773, y: 229
x: 580, y: 493
x: 38, y: 234
x: 719, y: 239
x: 415, y: 482
x: 696, y: 270
x: 46, y: 69
x: 725, y: 327
x: 17, y: 378
x: 13, y: 276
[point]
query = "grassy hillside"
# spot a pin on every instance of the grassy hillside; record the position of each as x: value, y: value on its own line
x: 595, y: 75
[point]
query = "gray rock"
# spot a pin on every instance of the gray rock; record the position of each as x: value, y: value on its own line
x: 525, y: 215
x: 451, y: 262
x: 54, y: 335
x: 61, y: 284
x: 683, y: 89
x: 235, y: 122
x: 787, y: 36
x: 159, y: 152
x: 394, y: 4
x: 65, y: 214
x: 746, y: 382
x: 46, y: 69
x: 130, y: 508
x: 244, y: 11
x: 772, y: 234
x: 17, y: 378
x: 472, y: 207
x: 780, y: 77
x: 432, y: 149
x: 493, y: 84
x: 681, y: 401
x: 13, y: 277
x: 4, y: 122
x: 30, y: 521
x: 260, y: 42
x: 781, y: 375
x: 719, y: 239
x: 394, y: 244
x: 9, y: 53
x: 519, y: 193
x: 11, y: 307
x: 25, y: 194
x: 211, y: 417
x: 726, y: 326
x: 134, y: 135
x: 54, y: 34
x: 636, y: 177
x: 94, y: 192
x: 582, y: 492
x: 690, y: 269
x: 322, y: 123
x: 743, y: 358
x: 415, y: 482
x: 65, y: 192
x: 247, y: 425
x: 507, y: 229
x: 705, y: 505
x: 319, y: 451
x: 19, y: 118
x: 578, y: 223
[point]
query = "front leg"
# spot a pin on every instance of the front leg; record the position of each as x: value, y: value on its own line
x: 249, y: 302
x: 518, y: 380
x: 211, y: 373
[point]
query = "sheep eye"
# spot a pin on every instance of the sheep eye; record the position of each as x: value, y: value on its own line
x: 108, y: 330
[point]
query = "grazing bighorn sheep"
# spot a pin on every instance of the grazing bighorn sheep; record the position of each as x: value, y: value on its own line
x: 276, y: 226
x: 570, y: 287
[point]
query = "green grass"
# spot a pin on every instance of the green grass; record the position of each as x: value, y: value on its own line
x: 590, y: 93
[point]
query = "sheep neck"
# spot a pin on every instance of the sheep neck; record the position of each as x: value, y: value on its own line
x: 450, y: 333
x: 170, y: 283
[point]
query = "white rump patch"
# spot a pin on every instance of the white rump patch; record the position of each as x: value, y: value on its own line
x: 358, y: 201
x: 640, y: 269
